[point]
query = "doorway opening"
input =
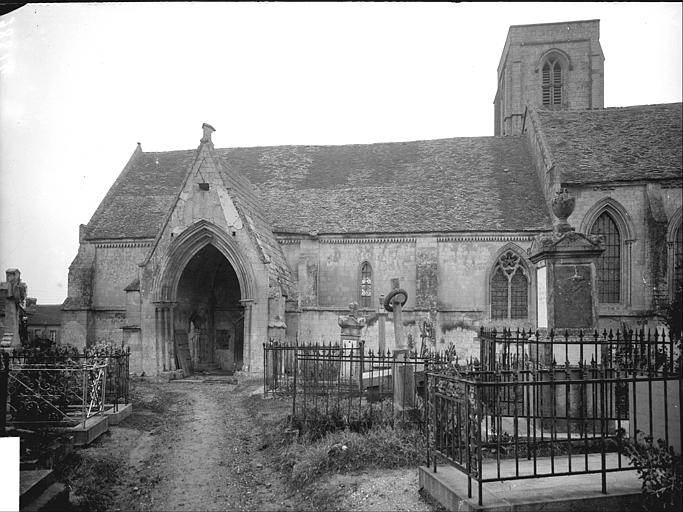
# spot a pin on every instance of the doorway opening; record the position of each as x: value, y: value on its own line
x: 209, y: 319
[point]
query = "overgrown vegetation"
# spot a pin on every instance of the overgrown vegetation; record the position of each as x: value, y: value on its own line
x: 379, y: 447
x: 660, y: 469
x: 90, y: 479
x: 331, y: 443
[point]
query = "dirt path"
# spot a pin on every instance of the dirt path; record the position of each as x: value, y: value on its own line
x: 195, y: 446
x: 208, y: 457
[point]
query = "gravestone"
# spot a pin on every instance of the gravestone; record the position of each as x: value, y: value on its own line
x: 351, y: 326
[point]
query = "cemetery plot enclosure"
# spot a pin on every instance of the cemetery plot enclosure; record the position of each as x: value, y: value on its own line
x: 349, y: 386
x: 554, y: 405
x: 62, y: 387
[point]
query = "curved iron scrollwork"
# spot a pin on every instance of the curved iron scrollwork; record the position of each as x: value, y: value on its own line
x: 55, y: 394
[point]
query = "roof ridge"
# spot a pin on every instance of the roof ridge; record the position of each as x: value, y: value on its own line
x: 606, y: 109
x: 355, y: 144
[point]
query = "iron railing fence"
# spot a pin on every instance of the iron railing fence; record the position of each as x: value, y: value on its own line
x: 348, y: 385
x: 553, y: 406
x: 43, y: 395
x: 116, y: 359
x: 4, y: 374
x: 640, y: 351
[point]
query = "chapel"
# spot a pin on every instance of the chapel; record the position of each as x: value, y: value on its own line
x: 214, y: 251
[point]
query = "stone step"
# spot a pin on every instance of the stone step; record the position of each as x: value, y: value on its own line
x: 117, y: 416
x: 578, y: 492
x: 53, y: 499
x: 32, y: 483
x: 87, y: 431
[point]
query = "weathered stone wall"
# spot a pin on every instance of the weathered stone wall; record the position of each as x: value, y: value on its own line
x: 450, y: 272
x: 77, y: 327
x: 108, y: 326
x: 116, y: 266
x: 643, y: 243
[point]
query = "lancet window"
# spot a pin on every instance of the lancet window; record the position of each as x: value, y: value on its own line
x: 365, y: 300
x: 509, y: 288
x: 608, y: 265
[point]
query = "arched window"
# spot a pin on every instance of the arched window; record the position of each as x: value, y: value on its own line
x: 608, y: 265
x: 365, y: 285
x: 509, y: 289
x: 552, y: 83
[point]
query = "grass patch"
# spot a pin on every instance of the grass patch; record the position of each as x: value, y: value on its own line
x: 345, y: 451
x: 90, y: 479
x: 330, y: 445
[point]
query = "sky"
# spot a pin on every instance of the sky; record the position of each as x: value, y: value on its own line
x: 82, y: 84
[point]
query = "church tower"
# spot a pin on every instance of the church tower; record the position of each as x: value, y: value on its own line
x: 549, y: 66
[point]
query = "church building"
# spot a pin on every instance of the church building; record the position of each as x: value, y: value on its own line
x: 212, y: 252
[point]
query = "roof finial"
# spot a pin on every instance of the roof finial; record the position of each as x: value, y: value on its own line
x: 208, y: 130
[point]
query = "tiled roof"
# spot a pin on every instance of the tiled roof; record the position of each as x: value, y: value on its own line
x: 50, y: 314
x: 462, y: 184
x: 137, y: 203
x: 615, y: 144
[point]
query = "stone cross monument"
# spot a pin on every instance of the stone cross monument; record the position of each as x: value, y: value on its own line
x: 403, y: 374
x: 381, y: 327
x: 394, y: 301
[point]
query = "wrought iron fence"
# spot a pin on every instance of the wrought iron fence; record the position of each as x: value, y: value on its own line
x: 115, y: 358
x: 358, y: 389
x: 52, y: 395
x: 349, y: 386
x: 554, y: 405
x: 4, y: 374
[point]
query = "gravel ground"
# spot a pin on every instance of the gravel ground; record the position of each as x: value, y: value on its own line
x: 194, y: 446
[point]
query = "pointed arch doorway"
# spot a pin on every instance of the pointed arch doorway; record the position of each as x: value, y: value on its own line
x: 208, y: 314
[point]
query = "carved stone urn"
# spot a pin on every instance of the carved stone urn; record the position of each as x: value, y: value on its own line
x: 563, y: 206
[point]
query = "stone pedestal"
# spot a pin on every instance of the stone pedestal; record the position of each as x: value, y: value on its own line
x: 382, y: 327
x: 566, y: 282
x: 404, y: 386
x: 567, y: 300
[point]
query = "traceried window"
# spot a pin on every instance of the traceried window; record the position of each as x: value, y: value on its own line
x: 678, y: 260
x: 552, y: 83
x: 608, y: 265
x: 509, y: 289
x: 53, y: 336
x: 365, y: 285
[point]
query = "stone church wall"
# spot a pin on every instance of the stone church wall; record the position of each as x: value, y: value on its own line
x: 451, y: 272
x: 116, y: 266
x: 648, y: 243
x: 108, y: 326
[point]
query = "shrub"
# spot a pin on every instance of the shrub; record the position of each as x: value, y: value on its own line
x: 659, y: 468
